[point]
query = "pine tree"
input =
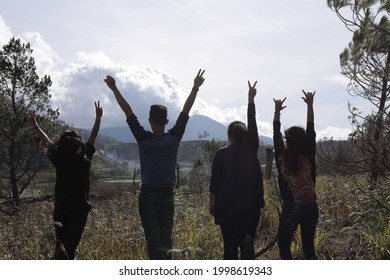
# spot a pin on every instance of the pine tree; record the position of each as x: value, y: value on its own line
x: 366, y: 63
x: 21, y: 90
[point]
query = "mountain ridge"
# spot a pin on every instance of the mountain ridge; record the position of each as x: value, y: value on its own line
x: 199, y: 127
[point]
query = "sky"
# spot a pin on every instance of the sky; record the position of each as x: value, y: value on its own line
x: 154, y: 49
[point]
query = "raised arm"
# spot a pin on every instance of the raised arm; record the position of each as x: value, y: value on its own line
x: 253, y: 134
x: 310, y: 132
x: 126, y: 108
x: 309, y: 98
x: 96, y: 125
x: 40, y: 133
x: 284, y: 190
x: 198, y: 81
x: 278, y: 139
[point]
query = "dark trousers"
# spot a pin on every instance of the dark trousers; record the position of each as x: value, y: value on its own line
x: 69, y: 226
x: 235, y: 232
x: 156, y: 208
x: 293, y: 214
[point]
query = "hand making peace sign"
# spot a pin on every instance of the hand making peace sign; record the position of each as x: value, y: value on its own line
x: 252, y: 92
x: 198, y: 81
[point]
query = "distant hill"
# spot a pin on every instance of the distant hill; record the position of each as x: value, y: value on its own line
x: 120, y: 133
x: 105, y: 167
x: 198, y: 128
x: 199, y: 124
x: 189, y: 152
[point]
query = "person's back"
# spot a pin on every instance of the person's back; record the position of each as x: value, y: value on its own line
x: 158, y: 149
x: 158, y: 155
x: 236, y: 185
x: 295, y: 162
x: 241, y: 180
x: 72, y: 161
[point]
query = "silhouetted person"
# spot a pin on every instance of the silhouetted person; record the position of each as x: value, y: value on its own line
x: 236, y: 186
x: 72, y: 161
x: 158, y: 156
x: 297, y: 178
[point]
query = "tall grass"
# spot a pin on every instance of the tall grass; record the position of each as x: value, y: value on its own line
x: 114, y: 230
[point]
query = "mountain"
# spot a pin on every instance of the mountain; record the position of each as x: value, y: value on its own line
x: 120, y: 133
x: 266, y: 141
x: 196, y: 125
x: 198, y: 128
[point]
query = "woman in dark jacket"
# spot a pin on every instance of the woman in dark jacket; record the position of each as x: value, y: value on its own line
x: 72, y: 161
x: 236, y: 186
x: 297, y: 177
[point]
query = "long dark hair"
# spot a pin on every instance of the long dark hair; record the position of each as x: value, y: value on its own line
x: 296, y: 140
x: 69, y: 147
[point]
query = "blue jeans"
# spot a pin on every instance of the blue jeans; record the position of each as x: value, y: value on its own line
x: 156, y: 208
x: 293, y: 214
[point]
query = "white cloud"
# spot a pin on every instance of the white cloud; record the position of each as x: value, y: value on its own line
x: 81, y: 83
x: 338, y: 79
x: 233, y: 41
x: 46, y: 59
x: 95, y: 59
x: 5, y: 32
x: 335, y: 133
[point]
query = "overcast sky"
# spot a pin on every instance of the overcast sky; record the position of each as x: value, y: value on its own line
x: 154, y: 49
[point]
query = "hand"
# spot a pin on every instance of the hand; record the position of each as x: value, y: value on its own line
x: 309, y: 97
x: 99, y: 110
x: 279, y: 105
x: 252, y: 91
x: 32, y: 119
x: 110, y: 82
x: 198, y: 81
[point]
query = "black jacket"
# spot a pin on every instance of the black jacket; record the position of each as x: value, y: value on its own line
x: 236, y: 178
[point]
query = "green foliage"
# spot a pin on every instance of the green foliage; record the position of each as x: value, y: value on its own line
x: 199, y: 177
x: 338, y: 4
x: 372, y: 217
x: 385, y: 6
x: 366, y: 63
x: 21, y: 90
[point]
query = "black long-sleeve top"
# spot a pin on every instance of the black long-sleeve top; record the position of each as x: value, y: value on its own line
x: 236, y: 178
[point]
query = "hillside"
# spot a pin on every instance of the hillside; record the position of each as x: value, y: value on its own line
x: 197, y: 125
x: 189, y: 152
x: 105, y: 167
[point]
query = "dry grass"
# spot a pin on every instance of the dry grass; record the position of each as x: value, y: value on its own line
x: 114, y: 231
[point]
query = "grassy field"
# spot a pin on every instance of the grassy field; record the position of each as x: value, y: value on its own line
x: 114, y: 231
